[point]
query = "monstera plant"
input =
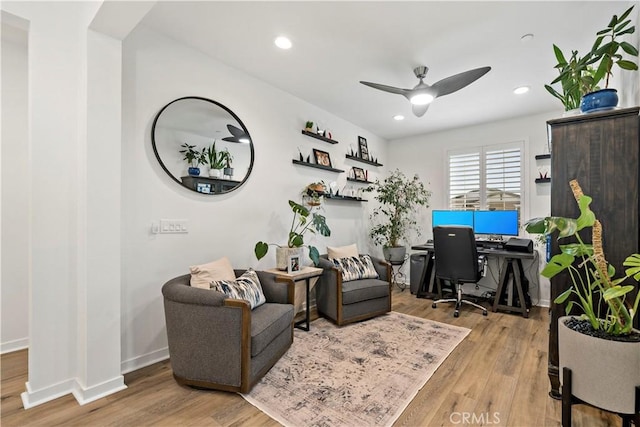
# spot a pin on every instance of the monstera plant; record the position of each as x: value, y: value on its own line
x: 305, y: 220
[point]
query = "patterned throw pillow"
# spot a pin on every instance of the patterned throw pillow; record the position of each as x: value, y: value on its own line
x: 356, y: 268
x: 246, y: 287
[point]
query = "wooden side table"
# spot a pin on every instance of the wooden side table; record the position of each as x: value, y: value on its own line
x: 308, y: 277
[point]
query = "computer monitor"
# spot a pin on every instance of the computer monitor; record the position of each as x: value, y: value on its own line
x: 504, y: 223
x: 442, y: 217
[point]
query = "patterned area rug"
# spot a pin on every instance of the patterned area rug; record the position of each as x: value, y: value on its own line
x: 363, y: 374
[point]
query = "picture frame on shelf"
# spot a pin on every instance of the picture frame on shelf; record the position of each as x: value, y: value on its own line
x: 322, y: 157
x: 359, y: 174
x: 293, y: 264
x: 363, y: 150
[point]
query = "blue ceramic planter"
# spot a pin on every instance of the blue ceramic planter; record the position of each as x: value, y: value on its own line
x: 604, y: 99
x: 194, y: 171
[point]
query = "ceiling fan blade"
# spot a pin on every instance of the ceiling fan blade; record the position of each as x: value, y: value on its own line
x: 386, y: 88
x: 458, y: 81
x: 238, y: 134
x: 419, y: 110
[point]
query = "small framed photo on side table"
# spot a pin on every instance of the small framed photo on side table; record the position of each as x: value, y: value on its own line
x: 322, y: 157
x: 362, y: 148
x: 293, y: 264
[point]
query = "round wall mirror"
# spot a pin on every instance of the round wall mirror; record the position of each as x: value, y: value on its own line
x: 202, y: 145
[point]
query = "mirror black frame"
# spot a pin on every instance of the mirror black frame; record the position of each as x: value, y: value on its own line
x: 235, y: 117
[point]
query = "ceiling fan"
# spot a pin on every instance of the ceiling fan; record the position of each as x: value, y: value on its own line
x: 422, y: 94
x: 238, y: 135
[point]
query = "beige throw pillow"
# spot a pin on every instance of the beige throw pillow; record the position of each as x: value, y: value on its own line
x: 202, y: 275
x: 342, y: 251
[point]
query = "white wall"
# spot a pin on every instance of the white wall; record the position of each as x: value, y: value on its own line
x: 427, y: 156
x: 14, y: 334
x: 158, y: 70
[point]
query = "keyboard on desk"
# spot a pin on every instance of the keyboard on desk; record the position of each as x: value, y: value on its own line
x: 490, y: 244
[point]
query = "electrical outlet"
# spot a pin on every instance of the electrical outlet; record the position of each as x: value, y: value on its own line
x: 173, y: 226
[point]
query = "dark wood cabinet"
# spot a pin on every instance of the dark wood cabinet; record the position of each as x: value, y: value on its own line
x: 600, y: 150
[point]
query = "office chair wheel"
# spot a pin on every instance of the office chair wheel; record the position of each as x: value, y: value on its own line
x: 456, y: 314
x: 434, y: 305
x: 484, y: 313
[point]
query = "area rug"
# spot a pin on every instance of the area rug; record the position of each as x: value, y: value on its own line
x: 363, y: 374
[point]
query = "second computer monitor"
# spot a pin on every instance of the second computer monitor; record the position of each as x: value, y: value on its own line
x: 448, y: 217
x: 503, y: 223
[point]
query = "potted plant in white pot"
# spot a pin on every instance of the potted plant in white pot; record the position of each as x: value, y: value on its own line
x: 305, y: 220
x: 194, y: 158
x: 599, y: 345
x: 399, y: 199
x: 217, y: 160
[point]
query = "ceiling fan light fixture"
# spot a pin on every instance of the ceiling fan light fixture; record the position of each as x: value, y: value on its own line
x: 398, y: 117
x: 421, y: 98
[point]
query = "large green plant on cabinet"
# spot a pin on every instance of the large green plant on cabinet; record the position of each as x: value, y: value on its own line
x: 580, y: 76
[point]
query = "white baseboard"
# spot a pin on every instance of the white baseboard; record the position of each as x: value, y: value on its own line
x: 31, y: 398
x: 15, y: 345
x: 544, y: 303
x: 86, y: 395
x: 144, y: 360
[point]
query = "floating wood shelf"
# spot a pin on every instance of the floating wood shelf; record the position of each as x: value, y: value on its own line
x: 541, y: 180
x: 345, y: 198
x: 361, y: 181
x: 315, y: 165
x: 320, y: 137
x: 360, y: 159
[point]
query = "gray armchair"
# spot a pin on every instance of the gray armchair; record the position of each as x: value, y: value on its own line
x: 347, y: 302
x: 220, y: 343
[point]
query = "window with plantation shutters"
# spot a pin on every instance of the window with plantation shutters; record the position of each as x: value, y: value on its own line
x: 486, y: 178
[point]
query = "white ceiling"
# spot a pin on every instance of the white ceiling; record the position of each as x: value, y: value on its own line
x: 337, y: 43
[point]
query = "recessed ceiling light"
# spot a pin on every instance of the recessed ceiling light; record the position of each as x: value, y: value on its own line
x: 282, y: 42
x: 398, y: 117
x: 520, y: 90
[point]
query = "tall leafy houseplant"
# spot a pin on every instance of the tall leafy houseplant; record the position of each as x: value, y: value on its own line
x: 592, y: 278
x: 579, y: 76
x: 399, y: 198
x: 608, y: 53
x: 304, y: 221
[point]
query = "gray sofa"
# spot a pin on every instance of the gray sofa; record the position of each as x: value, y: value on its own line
x: 347, y: 302
x: 220, y: 343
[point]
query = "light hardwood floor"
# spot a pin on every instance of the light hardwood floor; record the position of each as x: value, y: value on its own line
x: 497, y: 376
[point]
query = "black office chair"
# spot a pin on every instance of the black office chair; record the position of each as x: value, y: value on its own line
x: 457, y: 261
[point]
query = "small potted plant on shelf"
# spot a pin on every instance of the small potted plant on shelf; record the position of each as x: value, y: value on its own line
x: 399, y: 199
x: 580, y: 76
x: 305, y: 220
x: 607, y: 373
x: 308, y: 126
x: 193, y: 157
x: 217, y: 160
x: 228, y: 170
x: 312, y: 194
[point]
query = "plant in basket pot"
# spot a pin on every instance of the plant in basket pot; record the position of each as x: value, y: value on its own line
x: 596, y: 340
x: 399, y: 199
x: 305, y: 220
